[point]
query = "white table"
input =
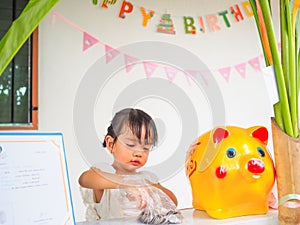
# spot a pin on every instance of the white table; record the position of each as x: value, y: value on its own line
x: 195, y: 217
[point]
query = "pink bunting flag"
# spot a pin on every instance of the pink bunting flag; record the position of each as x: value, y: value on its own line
x: 88, y: 41
x: 255, y: 63
x: 130, y: 62
x: 225, y: 72
x: 241, y: 68
x: 171, y: 73
x: 110, y: 53
x: 204, y: 74
x: 192, y: 74
x: 149, y: 68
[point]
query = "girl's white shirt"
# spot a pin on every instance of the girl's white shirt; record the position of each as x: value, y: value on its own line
x: 113, y: 203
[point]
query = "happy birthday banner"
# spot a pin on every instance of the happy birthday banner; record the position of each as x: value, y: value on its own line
x: 211, y: 22
x: 150, y: 67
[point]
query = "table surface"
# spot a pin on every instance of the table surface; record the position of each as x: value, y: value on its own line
x: 196, y: 217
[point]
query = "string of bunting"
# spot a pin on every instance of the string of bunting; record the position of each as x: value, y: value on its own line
x: 150, y: 67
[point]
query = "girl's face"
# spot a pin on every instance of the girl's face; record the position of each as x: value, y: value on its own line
x: 129, y: 152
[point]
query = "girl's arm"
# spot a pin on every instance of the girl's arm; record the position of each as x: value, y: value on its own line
x: 99, y: 180
x: 167, y: 192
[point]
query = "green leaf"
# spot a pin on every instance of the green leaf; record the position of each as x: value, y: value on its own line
x: 22, y: 28
x: 282, y: 90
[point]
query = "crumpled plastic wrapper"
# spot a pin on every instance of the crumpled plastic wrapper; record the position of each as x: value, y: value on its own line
x: 137, y: 193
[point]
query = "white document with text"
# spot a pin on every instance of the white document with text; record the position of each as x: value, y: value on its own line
x: 34, y: 181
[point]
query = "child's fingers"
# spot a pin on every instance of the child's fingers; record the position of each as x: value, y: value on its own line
x: 142, y: 204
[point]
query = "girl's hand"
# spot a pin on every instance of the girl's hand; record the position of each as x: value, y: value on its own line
x: 140, y: 195
x: 165, y: 190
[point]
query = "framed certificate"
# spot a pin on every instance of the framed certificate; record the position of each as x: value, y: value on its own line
x: 34, y: 180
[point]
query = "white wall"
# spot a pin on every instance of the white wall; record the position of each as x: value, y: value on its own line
x: 63, y: 65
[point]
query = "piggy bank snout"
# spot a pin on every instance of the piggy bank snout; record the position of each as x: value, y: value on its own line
x: 256, y: 166
x: 252, y: 168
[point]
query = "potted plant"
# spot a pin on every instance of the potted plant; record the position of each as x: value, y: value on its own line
x: 285, y: 124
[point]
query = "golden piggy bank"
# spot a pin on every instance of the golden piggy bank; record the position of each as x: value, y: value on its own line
x: 231, y: 172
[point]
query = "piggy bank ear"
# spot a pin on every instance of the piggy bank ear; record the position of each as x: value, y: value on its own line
x: 260, y: 133
x: 220, y: 134
x: 212, y: 149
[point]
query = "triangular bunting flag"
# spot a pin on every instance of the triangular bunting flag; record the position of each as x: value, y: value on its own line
x: 255, y: 63
x: 149, y: 68
x: 191, y: 75
x: 130, y: 62
x: 241, y: 68
x: 204, y: 75
x: 88, y: 41
x: 225, y: 72
x: 110, y: 53
x: 171, y: 73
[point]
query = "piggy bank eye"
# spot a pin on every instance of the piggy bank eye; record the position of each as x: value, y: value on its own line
x: 230, y: 152
x: 261, y: 152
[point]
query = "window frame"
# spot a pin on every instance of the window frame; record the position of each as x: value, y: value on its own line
x: 34, y: 91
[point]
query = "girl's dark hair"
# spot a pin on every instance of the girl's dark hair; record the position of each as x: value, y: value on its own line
x: 135, y: 120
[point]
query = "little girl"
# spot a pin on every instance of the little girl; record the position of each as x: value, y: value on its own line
x: 126, y: 192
